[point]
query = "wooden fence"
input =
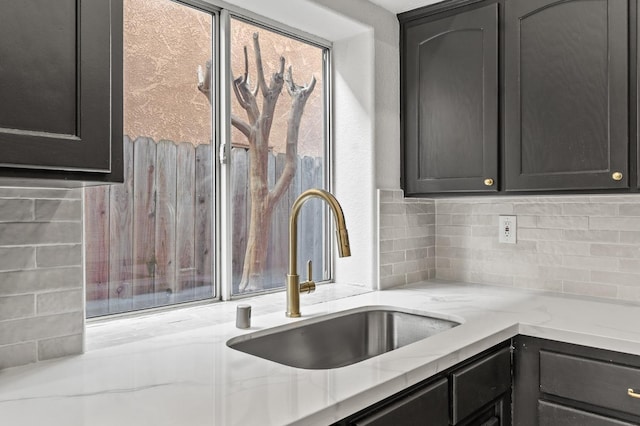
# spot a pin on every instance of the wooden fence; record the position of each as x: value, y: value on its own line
x: 149, y: 241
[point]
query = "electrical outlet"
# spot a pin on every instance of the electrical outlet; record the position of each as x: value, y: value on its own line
x: 507, y: 229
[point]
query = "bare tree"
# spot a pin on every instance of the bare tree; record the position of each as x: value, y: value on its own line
x: 257, y: 128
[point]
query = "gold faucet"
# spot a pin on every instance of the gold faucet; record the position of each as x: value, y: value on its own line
x: 294, y: 287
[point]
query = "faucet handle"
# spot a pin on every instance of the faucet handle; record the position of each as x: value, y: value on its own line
x: 308, y: 286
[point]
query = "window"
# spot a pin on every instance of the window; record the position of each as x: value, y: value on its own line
x: 150, y: 242
x: 273, y: 163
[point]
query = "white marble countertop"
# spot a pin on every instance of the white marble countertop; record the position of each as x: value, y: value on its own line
x: 192, y: 378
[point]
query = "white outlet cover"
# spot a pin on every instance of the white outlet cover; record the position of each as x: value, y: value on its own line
x: 507, y: 227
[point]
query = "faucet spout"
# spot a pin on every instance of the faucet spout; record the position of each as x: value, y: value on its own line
x: 344, y: 250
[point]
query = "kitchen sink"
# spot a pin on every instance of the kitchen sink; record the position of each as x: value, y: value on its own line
x: 342, y: 339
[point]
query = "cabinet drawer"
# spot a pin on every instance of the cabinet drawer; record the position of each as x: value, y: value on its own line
x: 426, y: 406
x: 550, y: 414
x: 599, y: 383
x: 480, y: 383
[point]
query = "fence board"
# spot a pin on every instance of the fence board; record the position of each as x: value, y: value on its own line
x: 97, y: 250
x: 121, y: 237
x: 185, y: 220
x: 203, y: 217
x: 144, y: 221
x: 165, y: 241
x: 240, y: 211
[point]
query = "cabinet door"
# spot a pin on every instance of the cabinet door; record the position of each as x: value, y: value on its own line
x: 566, y: 100
x: 56, y: 84
x: 425, y: 406
x: 450, y: 114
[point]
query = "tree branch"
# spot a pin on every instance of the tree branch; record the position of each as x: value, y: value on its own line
x: 204, y: 80
x: 242, y: 126
x: 262, y: 84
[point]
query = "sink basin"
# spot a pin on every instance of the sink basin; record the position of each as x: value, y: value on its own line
x: 341, y: 339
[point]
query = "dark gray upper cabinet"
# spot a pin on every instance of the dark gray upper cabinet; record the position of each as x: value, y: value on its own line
x: 450, y: 103
x: 61, y: 89
x: 566, y: 94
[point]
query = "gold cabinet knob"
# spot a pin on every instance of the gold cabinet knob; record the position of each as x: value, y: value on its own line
x: 633, y: 394
x: 488, y: 182
x: 616, y: 176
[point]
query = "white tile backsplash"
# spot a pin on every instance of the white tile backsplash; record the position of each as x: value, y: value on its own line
x: 584, y: 245
x: 41, y: 284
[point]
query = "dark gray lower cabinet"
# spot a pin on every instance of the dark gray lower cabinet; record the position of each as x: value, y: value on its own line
x: 557, y: 384
x: 476, y: 392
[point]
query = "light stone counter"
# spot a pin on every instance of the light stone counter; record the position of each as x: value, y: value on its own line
x: 192, y: 378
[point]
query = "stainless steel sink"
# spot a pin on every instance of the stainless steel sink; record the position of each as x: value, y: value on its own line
x: 339, y: 340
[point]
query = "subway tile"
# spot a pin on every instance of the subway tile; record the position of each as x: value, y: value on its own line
x: 414, y: 277
x: 493, y: 208
x: 54, y: 194
x: 38, y: 280
x: 24, y: 330
x: 15, y: 210
x: 15, y: 355
x: 393, y: 233
x: 393, y: 220
x: 17, y: 258
x: 589, y: 289
x: 484, y: 231
x: 386, y: 271
x: 589, y: 209
x: 563, y: 273
x: 453, y: 230
x: 538, y: 234
x: 524, y: 221
x: 392, y: 208
x: 60, y: 255
x: 447, y: 207
x: 629, y: 265
x: 461, y: 219
x: 59, y: 301
x: 564, y: 247
x: 591, y: 235
x: 389, y: 196
x: 443, y: 219
x: 563, y: 222
x: 14, y: 307
x: 630, y: 237
x: 591, y: 262
x: 17, y: 233
x: 629, y: 293
x: 421, y: 219
x: 58, y: 210
x: 443, y: 262
x: 392, y: 281
x: 615, y: 250
x: 392, y: 257
x: 418, y: 208
x: 617, y: 278
x: 615, y: 223
x: 419, y: 231
x: 415, y: 254
x: 629, y: 209
x: 60, y: 346
x: 544, y: 209
x: 386, y: 246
